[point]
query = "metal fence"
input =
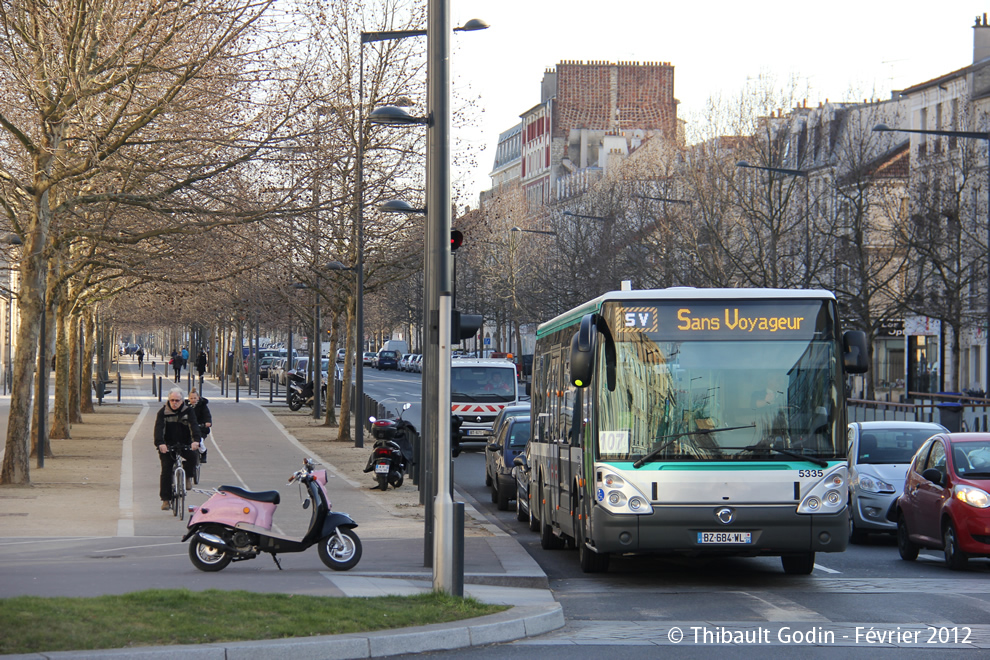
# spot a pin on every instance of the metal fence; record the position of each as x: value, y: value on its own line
x: 954, y: 412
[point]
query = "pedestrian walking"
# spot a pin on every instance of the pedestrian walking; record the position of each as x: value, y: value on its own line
x: 204, y: 417
x: 201, y: 363
x: 175, y: 425
x: 176, y: 363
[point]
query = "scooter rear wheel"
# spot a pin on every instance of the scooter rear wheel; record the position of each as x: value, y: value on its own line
x: 340, y: 553
x: 206, y: 557
x: 382, y: 481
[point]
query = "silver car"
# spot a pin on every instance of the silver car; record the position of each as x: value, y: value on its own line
x: 879, y: 456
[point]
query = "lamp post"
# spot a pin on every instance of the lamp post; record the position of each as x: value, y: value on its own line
x: 807, y: 221
x: 966, y: 135
x: 368, y: 37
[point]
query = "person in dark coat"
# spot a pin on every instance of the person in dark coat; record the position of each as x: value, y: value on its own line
x: 201, y: 364
x: 176, y: 425
x: 205, y: 419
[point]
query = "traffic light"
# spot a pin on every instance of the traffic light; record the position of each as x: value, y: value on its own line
x: 456, y: 238
x: 464, y: 326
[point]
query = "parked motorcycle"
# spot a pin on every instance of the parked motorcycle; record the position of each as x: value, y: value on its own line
x: 235, y: 524
x: 300, y: 394
x: 392, y: 453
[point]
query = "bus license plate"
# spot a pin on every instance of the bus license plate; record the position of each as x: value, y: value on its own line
x: 725, y: 537
x: 381, y: 468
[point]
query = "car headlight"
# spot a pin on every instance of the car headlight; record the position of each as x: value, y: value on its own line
x: 972, y: 496
x: 872, y: 484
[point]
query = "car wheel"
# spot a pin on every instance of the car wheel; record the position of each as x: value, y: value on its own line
x: 856, y: 535
x: 502, y: 498
x: 955, y: 558
x: 802, y: 564
x: 905, y: 546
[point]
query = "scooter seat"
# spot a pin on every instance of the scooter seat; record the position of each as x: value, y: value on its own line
x: 269, y: 496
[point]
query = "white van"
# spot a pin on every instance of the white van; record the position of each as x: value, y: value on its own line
x: 479, y: 389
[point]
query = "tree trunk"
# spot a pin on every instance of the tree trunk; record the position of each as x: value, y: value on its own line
x: 75, y: 370
x: 352, y: 341
x: 330, y: 416
x: 89, y: 350
x: 63, y: 358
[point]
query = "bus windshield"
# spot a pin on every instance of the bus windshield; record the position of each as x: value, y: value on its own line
x: 720, y: 401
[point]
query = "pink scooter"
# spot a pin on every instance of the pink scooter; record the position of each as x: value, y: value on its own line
x: 236, y: 524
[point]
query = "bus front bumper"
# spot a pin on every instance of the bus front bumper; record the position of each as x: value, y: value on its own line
x: 681, y: 530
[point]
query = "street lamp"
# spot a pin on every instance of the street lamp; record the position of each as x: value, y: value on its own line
x: 368, y: 37
x: 807, y: 221
x: 966, y: 135
x: 534, y: 231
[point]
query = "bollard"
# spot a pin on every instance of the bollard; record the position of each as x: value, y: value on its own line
x: 159, y: 389
x: 118, y: 387
x: 237, y: 389
x: 271, y: 393
x: 457, y: 561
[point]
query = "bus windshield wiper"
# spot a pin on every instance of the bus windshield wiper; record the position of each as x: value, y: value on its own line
x: 670, y: 440
x: 820, y: 462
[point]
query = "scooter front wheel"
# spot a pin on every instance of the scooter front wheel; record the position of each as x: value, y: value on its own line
x: 341, y: 551
x: 206, y: 557
x: 295, y: 402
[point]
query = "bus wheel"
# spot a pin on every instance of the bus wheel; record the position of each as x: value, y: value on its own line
x: 548, y: 540
x: 798, y: 564
x: 591, y: 561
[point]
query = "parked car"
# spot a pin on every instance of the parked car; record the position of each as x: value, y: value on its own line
x: 404, y: 362
x: 387, y: 360
x: 520, y: 472
x: 341, y: 354
x: 879, y: 456
x: 265, y: 365
x: 508, y: 443
x: 416, y: 364
x: 946, y: 500
x: 503, y: 416
x: 368, y: 358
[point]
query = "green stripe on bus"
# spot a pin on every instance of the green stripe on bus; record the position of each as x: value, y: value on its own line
x: 720, y: 467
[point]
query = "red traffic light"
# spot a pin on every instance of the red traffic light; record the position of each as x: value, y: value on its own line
x: 456, y: 238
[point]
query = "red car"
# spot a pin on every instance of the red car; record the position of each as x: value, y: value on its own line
x: 946, y: 499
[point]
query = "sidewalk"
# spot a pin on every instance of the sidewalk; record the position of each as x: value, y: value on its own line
x: 107, y: 457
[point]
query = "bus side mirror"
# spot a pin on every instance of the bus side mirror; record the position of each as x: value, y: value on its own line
x: 855, y: 356
x: 582, y: 358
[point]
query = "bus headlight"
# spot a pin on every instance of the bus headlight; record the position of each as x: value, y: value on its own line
x: 617, y: 495
x: 827, y: 495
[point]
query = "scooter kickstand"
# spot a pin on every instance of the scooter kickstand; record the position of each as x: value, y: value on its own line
x: 277, y: 562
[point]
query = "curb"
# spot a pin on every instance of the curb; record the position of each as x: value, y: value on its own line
x: 513, y: 624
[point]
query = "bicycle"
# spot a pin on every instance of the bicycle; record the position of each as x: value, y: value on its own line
x: 178, y: 502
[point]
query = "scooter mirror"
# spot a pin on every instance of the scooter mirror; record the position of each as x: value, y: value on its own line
x: 407, y: 406
x: 305, y: 504
x: 372, y: 419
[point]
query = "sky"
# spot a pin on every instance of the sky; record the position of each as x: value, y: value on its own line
x: 871, y: 46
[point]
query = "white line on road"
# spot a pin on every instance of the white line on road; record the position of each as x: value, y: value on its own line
x: 827, y: 570
x: 125, y: 502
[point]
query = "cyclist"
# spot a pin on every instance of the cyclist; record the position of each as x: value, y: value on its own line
x: 176, y: 425
x: 204, y: 417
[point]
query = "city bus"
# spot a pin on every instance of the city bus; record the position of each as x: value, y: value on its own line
x: 695, y: 422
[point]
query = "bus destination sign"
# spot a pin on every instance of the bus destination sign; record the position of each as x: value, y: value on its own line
x: 707, y: 320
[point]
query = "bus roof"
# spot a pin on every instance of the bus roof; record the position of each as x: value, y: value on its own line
x: 679, y: 293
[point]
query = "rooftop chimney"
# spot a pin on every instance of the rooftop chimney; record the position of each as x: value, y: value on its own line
x: 981, y: 39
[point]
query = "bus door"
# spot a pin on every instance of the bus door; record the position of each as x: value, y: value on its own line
x: 555, y: 436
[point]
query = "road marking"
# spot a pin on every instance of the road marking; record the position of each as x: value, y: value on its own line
x: 827, y: 570
x: 930, y: 558
x: 125, y: 502
x: 774, y: 607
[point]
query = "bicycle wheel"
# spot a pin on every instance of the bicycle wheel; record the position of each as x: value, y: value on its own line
x: 178, y: 489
